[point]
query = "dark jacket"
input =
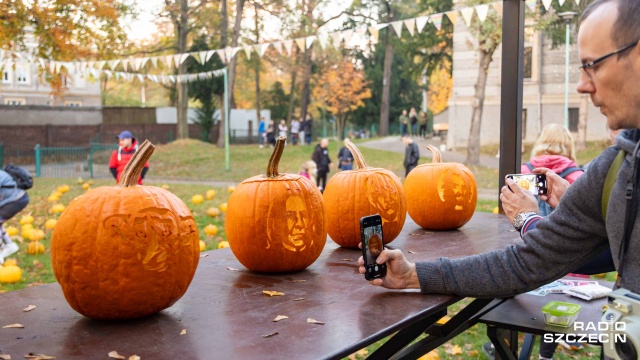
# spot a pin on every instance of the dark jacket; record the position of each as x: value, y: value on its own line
x: 321, y: 158
x: 411, y: 155
x: 345, y: 155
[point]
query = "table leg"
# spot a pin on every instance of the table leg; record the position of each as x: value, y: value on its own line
x: 527, y: 346
x: 504, y: 341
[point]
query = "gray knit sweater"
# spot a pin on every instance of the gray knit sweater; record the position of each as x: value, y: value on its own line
x: 573, y: 234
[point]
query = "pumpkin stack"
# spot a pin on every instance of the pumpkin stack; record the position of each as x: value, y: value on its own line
x: 125, y: 251
x: 440, y: 196
x: 275, y: 222
x: 353, y: 194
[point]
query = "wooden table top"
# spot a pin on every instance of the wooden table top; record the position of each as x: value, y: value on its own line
x: 225, y: 314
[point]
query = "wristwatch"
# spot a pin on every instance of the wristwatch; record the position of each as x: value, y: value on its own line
x: 520, y: 219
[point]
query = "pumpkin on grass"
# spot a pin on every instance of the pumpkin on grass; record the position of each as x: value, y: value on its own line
x: 10, y: 274
x: 125, y: 251
x: 275, y: 222
x: 35, y: 247
x: 440, y: 196
x: 353, y: 194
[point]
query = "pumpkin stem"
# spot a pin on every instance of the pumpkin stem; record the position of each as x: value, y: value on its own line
x: 274, y: 161
x: 357, y: 155
x: 437, y: 156
x: 132, y: 171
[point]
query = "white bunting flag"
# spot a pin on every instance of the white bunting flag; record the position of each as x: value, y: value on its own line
x: 91, y: 64
x: 467, y: 14
x: 2, y: 52
x: 411, y: 25
x: 336, y: 38
x: 94, y: 73
x: 113, y: 64
x: 176, y: 60
x: 263, y: 48
x: 183, y: 58
x: 397, y: 27
x: 346, y: 35
x: 453, y: 16
x: 83, y: 66
x: 125, y: 64
x: 301, y: 43
x: 288, y: 45
x: 58, y: 66
x: 101, y: 64
x: 154, y: 62
x: 547, y: 4
x: 228, y: 53
x: 247, y: 51
x: 421, y: 22
x: 577, y: 2
x: 323, y: 39
x: 561, y: 2
x: 141, y: 78
x: 482, y: 11
x: 143, y: 62
x: 309, y: 41
x: 172, y: 78
x: 202, y: 56
x: 209, y: 55
x: 169, y: 60
x: 436, y: 20
x: 222, y: 56
x: 374, y: 33
x: 109, y: 74
x: 278, y: 46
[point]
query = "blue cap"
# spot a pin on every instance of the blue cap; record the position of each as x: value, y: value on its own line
x: 125, y: 135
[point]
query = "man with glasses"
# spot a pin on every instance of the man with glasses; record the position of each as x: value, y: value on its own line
x: 608, y: 43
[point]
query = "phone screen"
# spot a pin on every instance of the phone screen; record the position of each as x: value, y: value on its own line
x: 372, y: 246
x: 536, y: 184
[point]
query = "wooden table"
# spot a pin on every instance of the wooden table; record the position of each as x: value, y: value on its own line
x: 523, y: 313
x: 225, y: 314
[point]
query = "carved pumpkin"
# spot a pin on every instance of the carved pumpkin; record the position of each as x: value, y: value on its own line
x: 125, y: 251
x: 10, y: 274
x: 35, y: 247
x: 440, y: 196
x: 352, y: 194
x: 275, y: 222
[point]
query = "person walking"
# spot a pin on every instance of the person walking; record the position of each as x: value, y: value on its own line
x: 283, y: 129
x: 127, y: 146
x: 271, y: 134
x: 411, y: 154
x: 321, y: 157
x: 308, y: 129
x: 404, y: 123
x: 261, y: 132
x: 302, y: 132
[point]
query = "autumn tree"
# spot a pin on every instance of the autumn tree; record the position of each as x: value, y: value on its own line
x: 440, y: 88
x: 342, y: 87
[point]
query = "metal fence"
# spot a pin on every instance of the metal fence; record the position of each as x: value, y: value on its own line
x: 69, y: 162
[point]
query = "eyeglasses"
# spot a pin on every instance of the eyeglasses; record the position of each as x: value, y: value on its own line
x: 588, y: 67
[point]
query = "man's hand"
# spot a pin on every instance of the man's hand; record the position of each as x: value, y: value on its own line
x: 556, y: 187
x: 516, y: 200
x: 401, y: 274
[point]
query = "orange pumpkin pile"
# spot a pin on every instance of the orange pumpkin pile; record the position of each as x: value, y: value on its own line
x: 275, y: 222
x: 125, y: 251
x: 352, y: 194
x: 440, y: 196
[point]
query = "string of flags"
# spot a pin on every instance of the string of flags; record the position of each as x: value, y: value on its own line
x: 131, y: 66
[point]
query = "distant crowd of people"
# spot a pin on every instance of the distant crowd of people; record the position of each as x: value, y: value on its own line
x: 300, y: 131
x: 416, y: 124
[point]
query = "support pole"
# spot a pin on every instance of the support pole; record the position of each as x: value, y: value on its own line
x: 226, y: 121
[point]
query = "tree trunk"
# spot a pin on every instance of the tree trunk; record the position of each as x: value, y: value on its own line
x: 182, y: 28
x: 473, y: 149
x: 341, y: 120
x: 257, y: 69
x: 292, y: 92
x: 306, y: 79
x: 223, y: 44
x: 582, y: 123
x: 386, y: 84
x: 234, y: 43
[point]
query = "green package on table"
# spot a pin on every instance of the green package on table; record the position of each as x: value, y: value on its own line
x: 560, y: 313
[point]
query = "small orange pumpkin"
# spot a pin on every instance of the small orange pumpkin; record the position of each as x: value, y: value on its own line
x: 275, y: 222
x: 352, y: 194
x: 125, y: 251
x: 440, y: 196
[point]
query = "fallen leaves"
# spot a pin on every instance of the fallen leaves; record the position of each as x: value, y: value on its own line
x: 270, y: 335
x: 29, y: 308
x: 134, y: 357
x: 453, y: 350
x: 362, y: 353
x: 280, y: 317
x: 443, y: 320
x: 272, y: 293
x: 431, y: 355
x: 204, y: 255
x: 183, y: 332
x: 412, y: 252
x: 298, y: 281
x: 5, y: 357
x: 114, y: 355
x: 13, y: 326
x: 231, y: 269
x: 314, y: 321
x: 346, y: 259
x: 298, y: 299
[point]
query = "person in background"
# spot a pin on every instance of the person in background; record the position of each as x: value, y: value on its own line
x: 295, y: 130
x: 302, y: 132
x: 12, y: 201
x: 127, y: 146
x: 261, y: 132
x: 422, y: 120
x: 321, y: 157
x: 404, y: 123
x: 309, y: 169
x: 413, y: 120
x: 308, y: 129
x: 345, y: 158
x: 271, y: 134
x: 411, y: 154
x: 283, y: 129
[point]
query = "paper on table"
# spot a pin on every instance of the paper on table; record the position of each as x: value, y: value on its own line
x: 588, y: 292
x: 559, y: 286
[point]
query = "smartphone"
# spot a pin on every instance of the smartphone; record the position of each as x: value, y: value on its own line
x: 372, y: 246
x: 535, y: 183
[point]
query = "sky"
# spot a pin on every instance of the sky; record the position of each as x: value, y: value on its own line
x: 143, y: 27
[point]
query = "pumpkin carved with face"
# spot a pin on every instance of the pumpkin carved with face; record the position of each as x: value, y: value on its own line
x: 275, y: 222
x: 126, y: 251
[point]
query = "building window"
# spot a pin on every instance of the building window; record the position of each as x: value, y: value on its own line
x: 528, y: 62
x: 574, y: 118
x: 15, y: 101
x: 23, y: 74
x: 73, y: 103
x: 7, y: 75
